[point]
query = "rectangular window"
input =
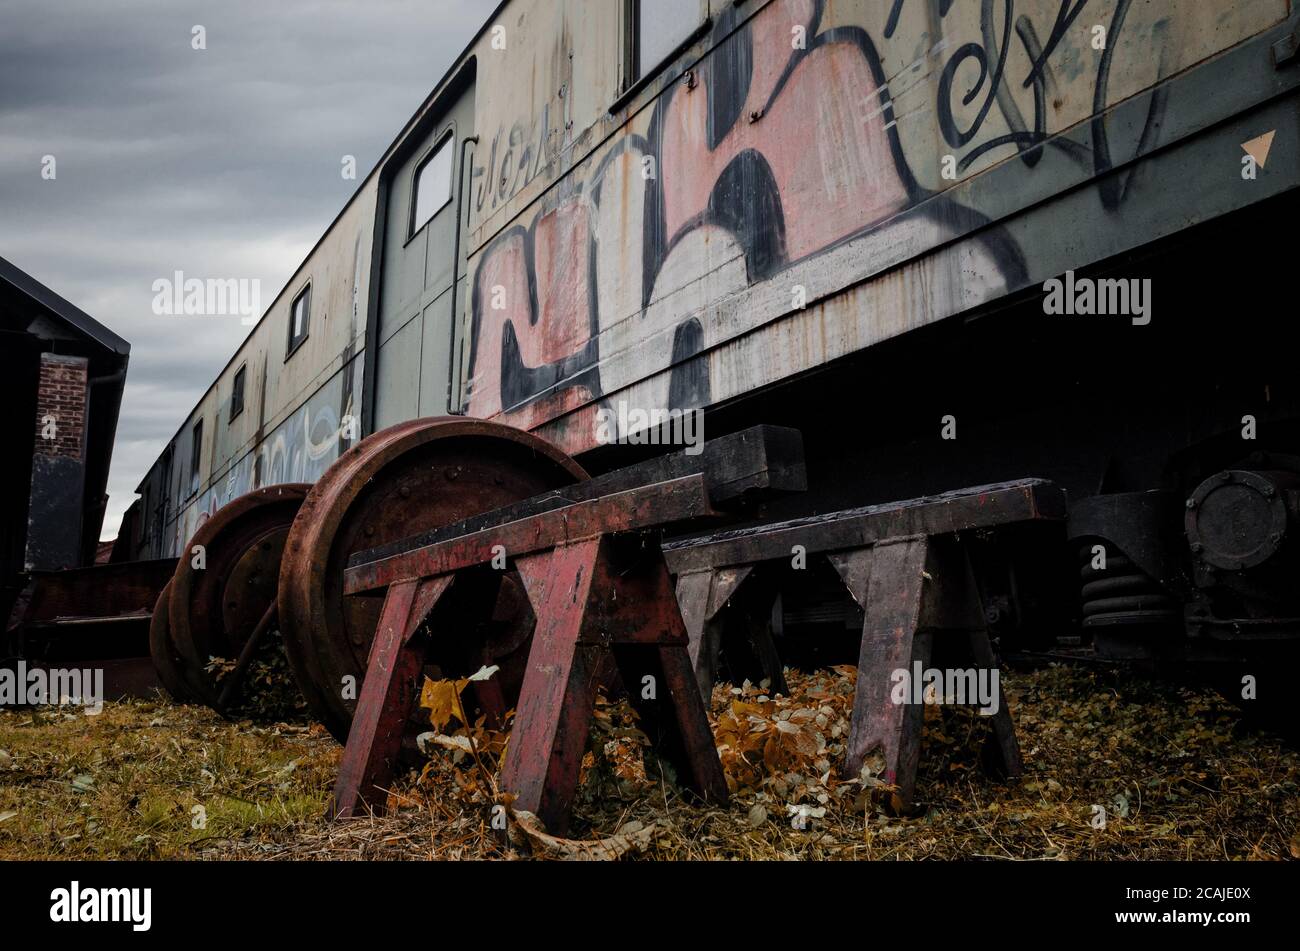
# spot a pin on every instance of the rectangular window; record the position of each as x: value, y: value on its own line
x: 196, y: 456
x: 431, y: 187
x: 299, y: 320
x: 660, y: 28
x: 237, y: 394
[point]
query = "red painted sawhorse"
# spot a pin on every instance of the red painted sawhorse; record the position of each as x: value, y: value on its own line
x: 906, y: 565
x: 597, y: 583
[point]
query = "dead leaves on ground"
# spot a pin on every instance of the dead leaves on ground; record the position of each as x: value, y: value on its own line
x: 1173, y: 770
x: 1177, y: 773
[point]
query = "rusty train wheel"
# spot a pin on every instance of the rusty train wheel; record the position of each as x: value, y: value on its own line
x: 214, y: 609
x: 167, y: 661
x: 406, y: 479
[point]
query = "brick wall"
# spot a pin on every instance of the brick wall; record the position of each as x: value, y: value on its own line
x: 61, y: 395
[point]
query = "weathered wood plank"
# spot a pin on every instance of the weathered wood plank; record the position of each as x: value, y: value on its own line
x: 983, y: 506
x: 754, y: 463
x: 658, y: 505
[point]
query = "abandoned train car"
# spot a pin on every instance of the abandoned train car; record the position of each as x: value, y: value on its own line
x: 952, y: 243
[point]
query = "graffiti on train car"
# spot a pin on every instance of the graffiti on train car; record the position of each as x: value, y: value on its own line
x: 515, y: 157
x: 300, y: 449
x: 786, y: 142
x: 995, y: 87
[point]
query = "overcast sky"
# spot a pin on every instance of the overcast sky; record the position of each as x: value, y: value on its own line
x: 222, y: 162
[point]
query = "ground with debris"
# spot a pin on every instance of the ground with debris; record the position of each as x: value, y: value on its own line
x: 1176, y: 771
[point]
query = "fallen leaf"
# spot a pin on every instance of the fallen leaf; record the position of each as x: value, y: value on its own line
x: 457, y: 742
x: 441, y: 699
x: 632, y: 837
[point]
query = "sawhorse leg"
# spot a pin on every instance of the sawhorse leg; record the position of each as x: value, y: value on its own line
x: 388, y: 697
x: 702, y: 596
x: 910, y: 589
x: 589, y: 599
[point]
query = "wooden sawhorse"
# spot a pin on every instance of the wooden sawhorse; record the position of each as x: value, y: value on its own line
x: 906, y: 565
x: 597, y: 583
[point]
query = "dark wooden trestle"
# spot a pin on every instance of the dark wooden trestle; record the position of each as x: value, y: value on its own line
x: 906, y: 565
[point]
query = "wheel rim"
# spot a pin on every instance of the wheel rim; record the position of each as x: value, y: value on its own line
x: 214, y: 609
x: 167, y: 661
x: 406, y: 479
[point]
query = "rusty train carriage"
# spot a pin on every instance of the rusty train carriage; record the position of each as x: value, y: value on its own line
x: 835, y: 216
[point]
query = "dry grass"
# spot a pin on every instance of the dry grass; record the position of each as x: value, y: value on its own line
x: 125, y: 783
x: 1178, y: 774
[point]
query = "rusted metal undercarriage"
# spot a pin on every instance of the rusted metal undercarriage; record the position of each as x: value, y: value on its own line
x: 96, y: 617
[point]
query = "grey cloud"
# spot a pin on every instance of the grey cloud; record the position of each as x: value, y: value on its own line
x: 220, y: 162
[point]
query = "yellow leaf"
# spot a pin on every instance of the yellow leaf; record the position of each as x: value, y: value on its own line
x: 440, y: 698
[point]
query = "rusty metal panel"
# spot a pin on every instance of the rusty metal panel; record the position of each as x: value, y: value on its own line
x: 123, y: 589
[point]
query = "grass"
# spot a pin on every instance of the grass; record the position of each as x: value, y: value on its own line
x: 153, y: 780
x: 1177, y: 771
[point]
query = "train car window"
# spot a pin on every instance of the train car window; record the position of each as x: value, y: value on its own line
x: 299, y: 321
x: 661, y: 28
x: 196, y: 456
x: 432, y: 185
x: 237, y: 394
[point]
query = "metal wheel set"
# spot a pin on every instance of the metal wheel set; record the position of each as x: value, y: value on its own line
x: 443, y: 545
x: 221, y: 601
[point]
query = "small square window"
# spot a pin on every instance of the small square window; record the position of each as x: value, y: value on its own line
x: 299, y: 320
x: 196, y: 456
x: 237, y: 394
x: 432, y: 185
x: 660, y: 28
